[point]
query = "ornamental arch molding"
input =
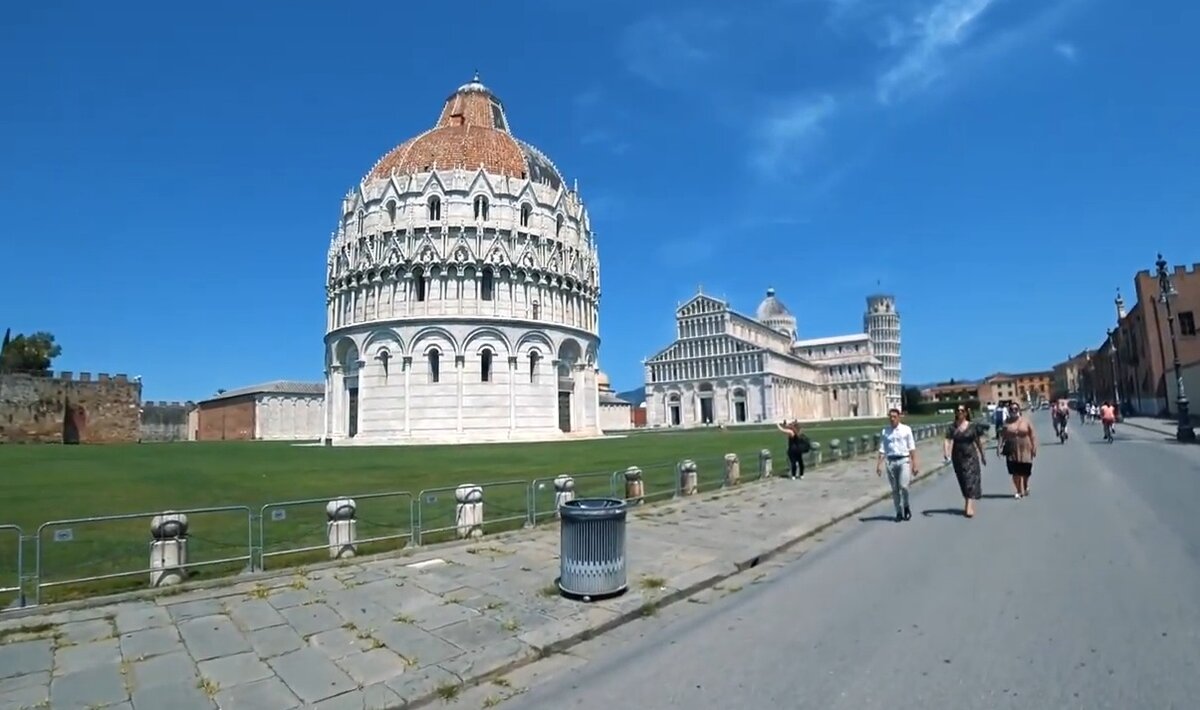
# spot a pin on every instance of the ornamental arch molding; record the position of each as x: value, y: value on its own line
x: 383, y: 339
x: 433, y: 336
x: 535, y: 341
x: 480, y: 338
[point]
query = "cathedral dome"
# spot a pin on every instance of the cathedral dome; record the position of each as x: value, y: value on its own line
x: 771, y: 308
x: 472, y: 132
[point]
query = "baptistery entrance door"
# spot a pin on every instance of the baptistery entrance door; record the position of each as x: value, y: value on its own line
x: 564, y: 411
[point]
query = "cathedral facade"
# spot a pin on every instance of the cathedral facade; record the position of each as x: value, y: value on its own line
x: 729, y: 368
x: 462, y: 292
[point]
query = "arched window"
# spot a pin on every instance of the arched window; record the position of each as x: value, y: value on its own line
x: 435, y: 361
x: 435, y: 209
x: 391, y: 210
x: 361, y: 219
x: 558, y: 221
x: 419, y: 283
x: 485, y: 365
x: 533, y: 366
x: 526, y: 214
x: 481, y: 207
x: 487, y: 284
x: 536, y: 309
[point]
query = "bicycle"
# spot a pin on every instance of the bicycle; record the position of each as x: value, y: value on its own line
x: 1108, y: 432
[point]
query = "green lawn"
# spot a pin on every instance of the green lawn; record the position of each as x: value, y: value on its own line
x: 47, y: 483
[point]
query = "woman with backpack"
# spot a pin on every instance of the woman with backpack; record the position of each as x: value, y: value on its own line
x: 797, y: 446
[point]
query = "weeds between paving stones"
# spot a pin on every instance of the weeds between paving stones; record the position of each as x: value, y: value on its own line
x: 492, y: 606
x: 403, y: 619
x: 209, y: 687
x: 549, y: 590
x: 652, y: 583
x: 511, y: 625
x: 448, y: 691
x: 32, y: 632
x: 260, y: 591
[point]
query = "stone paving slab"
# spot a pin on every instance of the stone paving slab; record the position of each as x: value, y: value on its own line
x: 380, y: 633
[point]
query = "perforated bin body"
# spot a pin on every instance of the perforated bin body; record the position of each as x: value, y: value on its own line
x: 592, y: 547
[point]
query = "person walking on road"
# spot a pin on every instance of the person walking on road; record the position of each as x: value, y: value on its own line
x: 963, y: 447
x: 797, y: 446
x: 1018, y: 445
x: 898, y: 449
x: 999, y: 415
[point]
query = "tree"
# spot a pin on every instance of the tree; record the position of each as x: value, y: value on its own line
x: 910, y: 398
x: 28, y: 353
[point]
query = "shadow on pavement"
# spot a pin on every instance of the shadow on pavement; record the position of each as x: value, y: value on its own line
x: 878, y: 519
x: 943, y: 511
x: 997, y: 496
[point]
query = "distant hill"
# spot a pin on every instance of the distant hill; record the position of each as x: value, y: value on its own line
x: 635, y: 397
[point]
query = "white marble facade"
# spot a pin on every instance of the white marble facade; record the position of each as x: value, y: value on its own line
x: 462, y: 303
x: 728, y: 368
x: 289, y: 417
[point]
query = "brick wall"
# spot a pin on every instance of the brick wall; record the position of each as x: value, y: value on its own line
x: 68, y: 408
x: 227, y: 419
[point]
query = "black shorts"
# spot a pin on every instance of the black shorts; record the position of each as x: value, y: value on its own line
x: 1016, y: 468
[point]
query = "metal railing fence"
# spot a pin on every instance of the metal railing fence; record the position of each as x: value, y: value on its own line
x: 505, y: 505
x: 300, y: 526
x: 63, y: 532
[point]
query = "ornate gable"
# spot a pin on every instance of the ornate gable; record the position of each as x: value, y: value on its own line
x: 700, y: 305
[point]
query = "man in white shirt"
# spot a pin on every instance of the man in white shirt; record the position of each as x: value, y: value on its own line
x: 898, y: 449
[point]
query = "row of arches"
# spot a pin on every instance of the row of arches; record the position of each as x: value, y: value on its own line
x: 481, y: 207
x: 348, y: 354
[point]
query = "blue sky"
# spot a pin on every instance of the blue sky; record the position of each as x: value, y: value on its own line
x: 169, y: 175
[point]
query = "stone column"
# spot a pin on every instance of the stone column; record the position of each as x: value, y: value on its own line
x: 168, y: 550
x: 406, y: 363
x: 764, y: 463
x: 635, y: 489
x: 459, y: 364
x: 564, y: 491
x: 512, y: 394
x: 341, y: 528
x: 835, y: 449
x: 733, y: 470
x: 688, y: 477
x: 468, y: 510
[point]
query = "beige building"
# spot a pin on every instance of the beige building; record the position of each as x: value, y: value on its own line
x: 729, y: 368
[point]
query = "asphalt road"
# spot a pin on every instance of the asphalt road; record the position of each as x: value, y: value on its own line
x: 1084, y: 595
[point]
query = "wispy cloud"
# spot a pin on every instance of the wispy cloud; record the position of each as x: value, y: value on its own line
x: 787, y: 132
x: 1067, y: 51
x: 593, y: 113
x: 933, y: 32
x: 668, y: 49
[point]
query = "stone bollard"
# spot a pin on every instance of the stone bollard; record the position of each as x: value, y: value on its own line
x: 866, y: 444
x: 635, y: 487
x: 764, y: 463
x: 835, y: 449
x: 468, y: 510
x: 816, y: 453
x: 733, y: 470
x: 168, y: 550
x: 564, y: 491
x: 688, y: 477
x: 876, y: 440
x: 342, y: 528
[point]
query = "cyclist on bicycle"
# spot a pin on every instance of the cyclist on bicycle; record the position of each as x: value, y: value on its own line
x: 1108, y: 416
x: 1061, y: 415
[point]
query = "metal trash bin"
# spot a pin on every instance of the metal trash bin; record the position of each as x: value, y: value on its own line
x: 592, y: 548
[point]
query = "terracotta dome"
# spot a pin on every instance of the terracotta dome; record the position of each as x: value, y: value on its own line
x: 472, y: 132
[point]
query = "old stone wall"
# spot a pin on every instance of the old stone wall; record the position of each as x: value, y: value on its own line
x: 55, y: 408
x: 165, y: 421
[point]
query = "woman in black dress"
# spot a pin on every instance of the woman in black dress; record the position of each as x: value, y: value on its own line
x: 964, y: 448
x: 797, y: 446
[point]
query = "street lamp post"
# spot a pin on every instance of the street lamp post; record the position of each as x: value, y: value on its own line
x: 1112, y: 363
x: 1183, y: 430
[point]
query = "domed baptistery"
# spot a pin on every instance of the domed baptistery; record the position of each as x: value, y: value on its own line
x: 462, y: 292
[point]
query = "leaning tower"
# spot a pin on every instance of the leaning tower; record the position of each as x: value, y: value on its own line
x: 882, y: 323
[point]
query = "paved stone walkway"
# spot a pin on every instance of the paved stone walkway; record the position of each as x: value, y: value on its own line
x: 1166, y: 427
x: 386, y: 632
